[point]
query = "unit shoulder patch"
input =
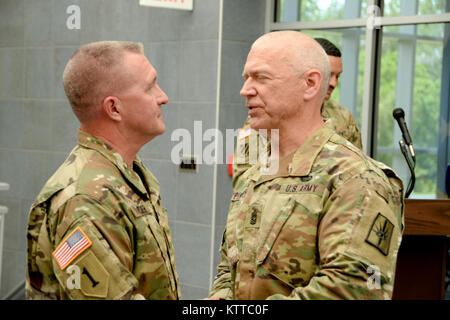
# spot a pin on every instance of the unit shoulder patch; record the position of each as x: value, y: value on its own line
x: 380, y: 234
x: 94, y: 276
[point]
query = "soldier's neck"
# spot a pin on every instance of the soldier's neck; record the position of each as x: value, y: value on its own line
x: 118, y: 142
x: 292, y: 138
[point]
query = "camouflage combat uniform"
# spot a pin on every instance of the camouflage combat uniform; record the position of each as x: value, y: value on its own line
x: 95, y: 196
x: 328, y: 225
x: 342, y: 122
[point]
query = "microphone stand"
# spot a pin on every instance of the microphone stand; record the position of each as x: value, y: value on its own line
x: 411, y: 165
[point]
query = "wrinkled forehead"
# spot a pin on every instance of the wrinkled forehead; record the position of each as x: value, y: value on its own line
x: 266, y: 57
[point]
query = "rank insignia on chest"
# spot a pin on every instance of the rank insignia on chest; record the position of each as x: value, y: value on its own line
x: 380, y: 234
x: 141, y: 209
x: 71, y: 247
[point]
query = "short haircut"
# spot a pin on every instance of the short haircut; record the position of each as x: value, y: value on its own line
x: 329, y: 47
x: 94, y: 72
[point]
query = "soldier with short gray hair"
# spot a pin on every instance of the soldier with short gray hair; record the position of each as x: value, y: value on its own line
x: 328, y: 224
x: 98, y: 229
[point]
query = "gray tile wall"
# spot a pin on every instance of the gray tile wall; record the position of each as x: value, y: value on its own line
x: 243, y: 23
x: 38, y: 129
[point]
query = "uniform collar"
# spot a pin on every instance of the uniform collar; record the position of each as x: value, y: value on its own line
x: 301, y: 161
x: 305, y: 156
x: 89, y: 141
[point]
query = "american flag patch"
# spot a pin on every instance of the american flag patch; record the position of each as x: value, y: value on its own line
x: 72, y: 246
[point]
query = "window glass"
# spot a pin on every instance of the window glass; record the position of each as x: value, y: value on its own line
x: 394, y: 8
x: 411, y: 73
x: 411, y: 77
x: 314, y: 10
x: 351, y: 43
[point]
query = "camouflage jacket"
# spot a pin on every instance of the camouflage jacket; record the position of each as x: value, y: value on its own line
x: 341, y: 120
x: 97, y: 230
x: 328, y: 225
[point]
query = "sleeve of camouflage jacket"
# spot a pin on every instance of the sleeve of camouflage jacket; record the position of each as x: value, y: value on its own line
x: 222, y: 286
x: 105, y: 267
x: 355, y: 136
x: 347, y: 243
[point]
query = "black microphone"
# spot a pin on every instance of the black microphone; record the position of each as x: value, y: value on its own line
x: 399, y: 115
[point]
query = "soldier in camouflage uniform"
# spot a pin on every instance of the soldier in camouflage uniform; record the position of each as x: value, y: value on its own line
x: 341, y: 119
x: 328, y: 224
x: 98, y: 230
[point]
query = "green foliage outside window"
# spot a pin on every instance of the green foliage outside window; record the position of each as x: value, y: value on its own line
x: 424, y: 125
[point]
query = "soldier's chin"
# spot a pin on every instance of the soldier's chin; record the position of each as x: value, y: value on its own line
x: 258, y: 125
x: 254, y: 123
x: 161, y: 129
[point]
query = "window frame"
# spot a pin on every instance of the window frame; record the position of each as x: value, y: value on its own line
x: 369, y: 123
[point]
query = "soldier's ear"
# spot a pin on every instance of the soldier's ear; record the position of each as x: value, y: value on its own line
x: 313, y: 80
x: 111, y: 106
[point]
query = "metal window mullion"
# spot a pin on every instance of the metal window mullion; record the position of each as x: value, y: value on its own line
x: 3, y: 211
x: 314, y: 25
x: 350, y: 57
x: 415, y: 19
x: 270, y: 15
x: 357, y: 23
x: 443, y: 156
x: 371, y: 85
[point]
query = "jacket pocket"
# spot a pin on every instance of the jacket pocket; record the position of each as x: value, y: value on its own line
x: 288, y: 251
x: 273, y: 230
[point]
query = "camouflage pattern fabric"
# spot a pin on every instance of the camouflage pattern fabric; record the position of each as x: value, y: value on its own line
x: 342, y: 122
x: 315, y: 230
x: 118, y: 208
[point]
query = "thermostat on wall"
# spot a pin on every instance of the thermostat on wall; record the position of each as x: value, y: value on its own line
x: 189, y: 163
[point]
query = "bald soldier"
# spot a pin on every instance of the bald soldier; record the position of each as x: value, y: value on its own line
x: 341, y: 119
x: 328, y: 224
x: 98, y: 230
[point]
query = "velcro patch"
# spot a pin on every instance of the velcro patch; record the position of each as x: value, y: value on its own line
x: 71, y: 247
x: 380, y: 234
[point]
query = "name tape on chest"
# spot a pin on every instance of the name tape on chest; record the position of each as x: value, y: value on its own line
x: 71, y: 247
x: 302, y: 188
x: 298, y: 188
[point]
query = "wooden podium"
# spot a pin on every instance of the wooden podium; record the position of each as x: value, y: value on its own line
x: 421, y: 263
